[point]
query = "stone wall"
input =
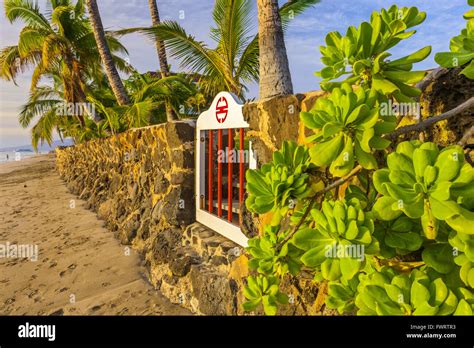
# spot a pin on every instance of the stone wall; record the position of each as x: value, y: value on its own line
x: 277, y: 119
x: 141, y: 183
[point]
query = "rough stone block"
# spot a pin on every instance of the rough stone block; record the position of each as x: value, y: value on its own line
x: 179, y: 132
x: 213, y: 290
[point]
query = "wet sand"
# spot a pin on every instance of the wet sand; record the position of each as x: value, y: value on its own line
x: 81, y: 269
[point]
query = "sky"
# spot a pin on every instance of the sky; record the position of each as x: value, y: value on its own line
x: 303, y: 38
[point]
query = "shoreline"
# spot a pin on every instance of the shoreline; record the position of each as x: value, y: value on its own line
x: 81, y: 268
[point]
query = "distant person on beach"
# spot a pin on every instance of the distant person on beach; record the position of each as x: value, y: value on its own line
x: 8, y: 157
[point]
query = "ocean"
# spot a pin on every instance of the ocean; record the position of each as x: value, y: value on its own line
x: 10, y: 156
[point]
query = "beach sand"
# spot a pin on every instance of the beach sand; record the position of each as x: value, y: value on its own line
x: 81, y: 267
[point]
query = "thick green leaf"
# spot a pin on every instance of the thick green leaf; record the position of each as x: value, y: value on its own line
x: 383, y: 85
x: 449, y: 163
x: 412, y: 58
x: 324, y: 153
x: 349, y: 267
x: 463, y: 308
x: 330, y: 269
x: 425, y: 309
x: 439, y: 291
x: 404, y: 240
x: 383, y: 209
x: 439, y: 256
x: 453, y: 59
x: 419, y: 294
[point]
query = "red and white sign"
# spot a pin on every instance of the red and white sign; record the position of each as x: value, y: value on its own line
x: 222, y: 109
x: 224, y: 112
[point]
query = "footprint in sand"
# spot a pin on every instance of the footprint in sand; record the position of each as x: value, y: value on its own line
x: 71, y: 268
x: 32, y: 293
x: 57, y: 312
x: 96, y: 308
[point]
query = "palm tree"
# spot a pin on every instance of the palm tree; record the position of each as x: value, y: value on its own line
x: 60, y: 46
x: 160, y: 47
x: 275, y: 77
x: 233, y: 62
x: 105, y: 54
x: 149, y: 97
x: 161, y: 50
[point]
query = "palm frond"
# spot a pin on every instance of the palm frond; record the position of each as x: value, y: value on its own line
x: 293, y: 8
x: 79, y: 9
x: 42, y: 131
x: 27, y: 11
x: 30, y: 40
x: 36, y: 108
x: 234, y: 24
x: 248, y: 68
x: 193, y: 55
x: 52, y: 46
x: 61, y: 16
x: 139, y: 114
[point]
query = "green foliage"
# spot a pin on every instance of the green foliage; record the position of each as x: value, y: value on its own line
x: 428, y: 184
x: 338, y: 243
x: 341, y: 296
x: 439, y: 256
x: 417, y: 293
x: 362, y: 54
x: 392, y: 241
x: 58, y: 46
x: 266, y: 259
x: 464, y: 256
x: 462, y: 48
x: 265, y: 291
x: 271, y: 187
x: 348, y: 127
x: 398, y: 237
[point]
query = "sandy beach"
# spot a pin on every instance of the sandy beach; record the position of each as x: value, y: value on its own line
x: 80, y: 268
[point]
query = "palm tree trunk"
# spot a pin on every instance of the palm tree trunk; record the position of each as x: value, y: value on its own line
x: 160, y: 49
x: 106, y: 56
x: 275, y: 77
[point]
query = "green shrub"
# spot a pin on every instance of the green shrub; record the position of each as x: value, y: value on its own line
x: 391, y: 241
x: 461, y: 47
x: 348, y: 127
x: 362, y: 54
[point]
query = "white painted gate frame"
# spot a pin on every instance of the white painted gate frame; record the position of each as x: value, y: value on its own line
x: 208, y: 121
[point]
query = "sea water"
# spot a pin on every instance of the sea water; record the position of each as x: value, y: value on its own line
x: 10, y: 156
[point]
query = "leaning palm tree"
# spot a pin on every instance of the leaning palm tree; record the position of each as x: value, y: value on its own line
x: 275, y: 77
x: 105, y: 54
x: 45, y: 104
x: 233, y: 62
x: 161, y: 50
x: 60, y: 46
x: 149, y: 96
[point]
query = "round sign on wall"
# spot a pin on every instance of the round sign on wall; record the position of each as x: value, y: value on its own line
x: 222, y: 109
